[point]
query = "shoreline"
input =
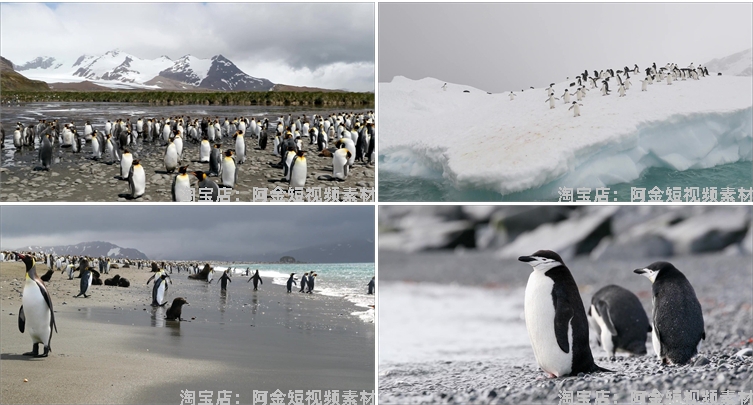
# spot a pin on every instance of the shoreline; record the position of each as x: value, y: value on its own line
x: 240, y: 341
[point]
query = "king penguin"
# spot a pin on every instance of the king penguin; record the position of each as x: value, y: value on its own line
x: 181, y: 189
x: 298, y: 170
x: 136, y: 180
x: 555, y: 317
x: 618, y: 318
x: 37, y: 306
x: 678, y: 320
x: 158, y: 291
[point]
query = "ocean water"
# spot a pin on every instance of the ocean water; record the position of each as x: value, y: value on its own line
x: 394, y: 186
x: 344, y: 280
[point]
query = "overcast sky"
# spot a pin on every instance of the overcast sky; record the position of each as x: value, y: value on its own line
x: 506, y: 46
x: 170, y: 232
x: 311, y: 44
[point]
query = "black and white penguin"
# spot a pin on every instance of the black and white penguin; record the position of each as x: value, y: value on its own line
x: 171, y: 157
x: 291, y: 281
x: 677, y: 316
x: 618, y: 318
x: 159, y: 290
x: 555, y: 317
x: 136, y: 180
x: 45, y: 152
x: 310, y: 283
x: 126, y: 159
x: 215, y: 160
x: 224, y: 280
x: 298, y: 170
x: 205, y: 183
x: 87, y: 276
x: 257, y: 279
x: 304, y: 280
x: 229, y: 170
x: 36, y: 309
x: 371, y: 285
x: 173, y: 313
x: 181, y: 189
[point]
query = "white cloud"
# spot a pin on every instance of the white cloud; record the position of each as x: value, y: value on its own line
x: 298, y: 37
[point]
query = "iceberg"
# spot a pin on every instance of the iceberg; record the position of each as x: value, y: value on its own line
x: 478, y: 140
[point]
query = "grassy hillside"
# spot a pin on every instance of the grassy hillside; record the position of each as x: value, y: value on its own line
x: 11, y: 80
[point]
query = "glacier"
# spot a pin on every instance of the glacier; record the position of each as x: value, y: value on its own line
x: 478, y: 140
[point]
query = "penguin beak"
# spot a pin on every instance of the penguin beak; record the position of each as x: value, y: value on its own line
x: 639, y: 271
x: 526, y: 259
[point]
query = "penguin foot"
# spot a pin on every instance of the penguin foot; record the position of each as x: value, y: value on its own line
x: 30, y: 354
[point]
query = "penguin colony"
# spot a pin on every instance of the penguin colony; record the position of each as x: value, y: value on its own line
x: 223, y: 146
x: 671, y: 72
x: 37, y: 315
x: 558, y: 324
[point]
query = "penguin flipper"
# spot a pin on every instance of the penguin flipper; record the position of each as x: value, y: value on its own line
x: 603, y: 308
x: 21, y: 319
x: 563, y: 314
x: 47, y: 299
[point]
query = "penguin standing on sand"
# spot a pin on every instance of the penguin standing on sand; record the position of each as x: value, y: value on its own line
x: 224, y: 279
x: 87, y: 276
x: 677, y: 316
x: 171, y: 157
x: 257, y: 279
x: 36, y: 310
x: 304, y: 280
x: 618, y: 318
x: 576, y: 109
x: 310, y: 283
x: 240, y: 147
x: 159, y: 290
x: 555, y: 317
x: 291, y: 281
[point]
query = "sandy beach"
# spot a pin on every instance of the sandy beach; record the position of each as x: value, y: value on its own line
x: 114, y: 348
x: 467, y: 341
x: 76, y: 177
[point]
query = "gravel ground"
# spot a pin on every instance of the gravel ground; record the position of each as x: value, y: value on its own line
x: 722, y: 283
x: 76, y: 177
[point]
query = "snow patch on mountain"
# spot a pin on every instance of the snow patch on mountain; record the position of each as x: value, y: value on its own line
x: 738, y: 64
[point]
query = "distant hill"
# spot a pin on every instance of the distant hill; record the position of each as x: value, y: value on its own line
x: 93, y: 249
x: 14, y: 81
x: 737, y: 64
x: 355, y: 251
x: 287, y: 87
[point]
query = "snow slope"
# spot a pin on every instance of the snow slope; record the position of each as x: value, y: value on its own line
x: 485, y: 141
x: 738, y: 64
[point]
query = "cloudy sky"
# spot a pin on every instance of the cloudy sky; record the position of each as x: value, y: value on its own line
x: 170, y: 232
x: 303, y: 44
x: 507, y: 46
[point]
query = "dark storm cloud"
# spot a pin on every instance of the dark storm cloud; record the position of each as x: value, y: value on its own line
x: 187, y: 232
x: 511, y: 46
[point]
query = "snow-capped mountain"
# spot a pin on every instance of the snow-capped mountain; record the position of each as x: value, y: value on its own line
x: 42, y: 62
x: 224, y: 75
x: 118, y: 69
x: 738, y: 64
x: 92, y: 249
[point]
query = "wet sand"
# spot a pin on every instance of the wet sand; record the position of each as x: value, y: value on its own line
x: 114, y: 348
x: 76, y: 177
x: 488, y: 357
